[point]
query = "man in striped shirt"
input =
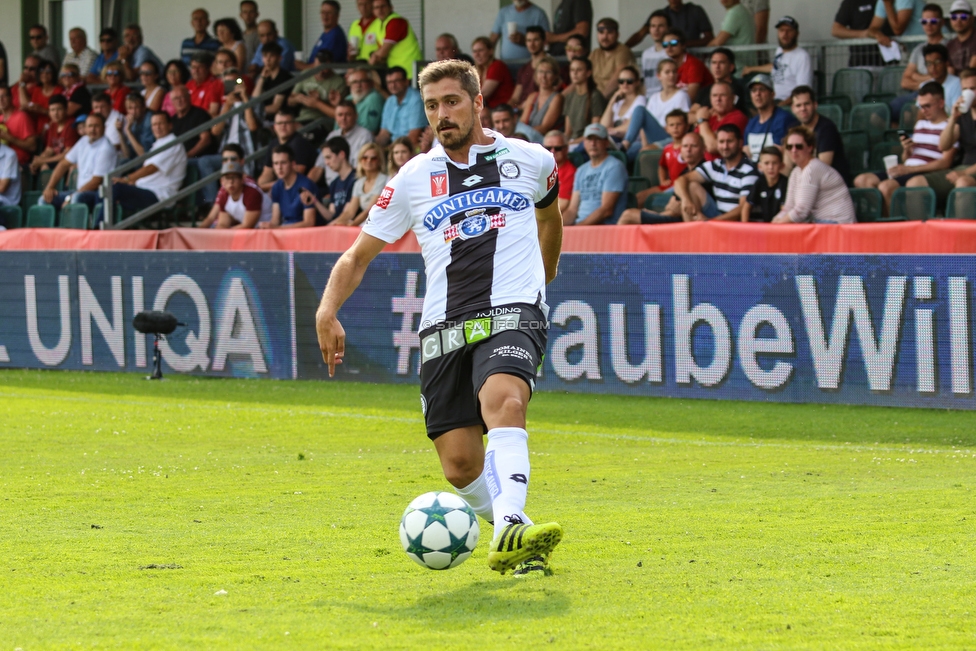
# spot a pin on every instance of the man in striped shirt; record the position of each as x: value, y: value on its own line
x: 713, y: 189
x: 921, y: 153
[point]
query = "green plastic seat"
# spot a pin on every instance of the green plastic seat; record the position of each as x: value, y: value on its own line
x: 29, y: 198
x: 647, y: 165
x: 908, y: 117
x: 832, y: 112
x: 889, y: 80
x: 41, y: 216
x: 868, y: 203
x: 74, y: 215
x: 961, y: 204
x: 873, y: 119
x: 11, y: 216
x: 913, y: 204
x: 882, y: 98
x: 855, y: 83
x: 857, y: 147
x: 879, y: 151
x: 657, y: 201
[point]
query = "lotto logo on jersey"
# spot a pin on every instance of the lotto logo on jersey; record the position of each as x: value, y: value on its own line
x: 551, y: 181
x: 438, y: 183
x: 385, y: 196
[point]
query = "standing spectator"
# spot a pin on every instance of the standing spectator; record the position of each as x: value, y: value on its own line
x: 610, y: 58
x: 60, y: 135
x: 160, y: 176
x: 347, y: 129
x: 369, y: 103
x: 9, y: 177
x: 916, y: 73
x: 572, y: 18
x: 904, y: 17
x: 335, y: 153
x: 151, y: 91
x: 771, y: 123
x: 505, y: 122
x: 692, y: 150
x: 721, y: 111
x: 268, y: 33
x: 41, y: 94
x: 855, y: 19
x: 600, y: 186
x: 189, y: 117
x: 759, y: 10
x: 249, y: 16
x: 272, y: 75
x: 401, y: 151
x: 555, y: 142
x: 370, y: 179
x: 79, y: 99
x: 730, y: 177
x: 108, y: 40
x: 206, y: 91
x: 102, y: 104
x: 769, y: 193
x: 738, y: 27
x: 691, y: 21
x: 133, y: 53
x: 657, y: 26
x: 114, y: 75
x: 692, y: 73
x: 511, y: 26
x: 496, y: 80
x: 288, y: 210
x: 721, y: 63
x: 228, y: 32
x: 94, y: 156
x: 398, y: 44
x: 201, y: 41
x: 583, y: 104
x: 333, y: 38
x: 830, y: 146
x: 136, y: 128
x: 816, y: 192
x: 359, y: 49
x: 403, y: 112
x: 38, y: 37
x: 543, y: 109
x: 318, y: 95
x: 620, y: 107
x: 303, y: 153
x: 791, y: 66
x: 16, y: 128
x: 535, y: 45
x: 960, y: 131
x: 240, y: 203
x: 27, y: 83
x: 962, y: 48
x: 80, y: 54
x: 177, y: 74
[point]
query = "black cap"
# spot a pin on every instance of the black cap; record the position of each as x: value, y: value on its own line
x: 788, y: 20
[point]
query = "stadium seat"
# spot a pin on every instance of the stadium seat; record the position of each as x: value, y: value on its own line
x: 879, y: 98
x: 832, y: 112
x: 40, y: 217
x: 857, y: 147
x: 578, y: 158
x: 11, y: 216
x: 891, y: 135
x: 635, y: 184
x: 913, y: 204
x: 872, y: 119
x: 98, y: 211
x: 867, y: 204
x: 74, y: 215
x: 647, y: 162
x: 72, y: 181
x: 619, y: 155
x: 29, y: 198
x: 889, y: 80
x: 961, y: 204
x: 42, y: 179
x: 879, y: 151
x: 657, y: 201
x: 909, y: 114
x: 855, y: 83
x: 841, y: 101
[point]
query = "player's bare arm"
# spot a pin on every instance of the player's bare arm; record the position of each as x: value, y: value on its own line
x: 550, y: 222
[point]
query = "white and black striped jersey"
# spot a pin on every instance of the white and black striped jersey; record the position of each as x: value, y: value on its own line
x: 475, y: 223
x: 729, y: 184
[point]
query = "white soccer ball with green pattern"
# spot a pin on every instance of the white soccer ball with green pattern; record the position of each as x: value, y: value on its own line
x: 439, y: 530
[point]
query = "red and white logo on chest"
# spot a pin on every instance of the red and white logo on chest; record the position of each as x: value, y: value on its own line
x: 438, y: 183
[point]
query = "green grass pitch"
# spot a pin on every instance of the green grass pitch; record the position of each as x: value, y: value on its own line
x: 224, y: 514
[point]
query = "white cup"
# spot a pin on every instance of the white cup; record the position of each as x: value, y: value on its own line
x: 890, y: 161
x: 512, y: 28
x: 967, y: 100
x: 354, y: 42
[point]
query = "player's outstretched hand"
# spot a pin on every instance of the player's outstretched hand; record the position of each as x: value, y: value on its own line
x: 332, y: 340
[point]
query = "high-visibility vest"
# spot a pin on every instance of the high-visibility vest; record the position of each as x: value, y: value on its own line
x: 404, y: 53
x: 367, y: 39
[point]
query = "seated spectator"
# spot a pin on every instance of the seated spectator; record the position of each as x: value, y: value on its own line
x: 94, y: 156
x: 721, y: 111
x: 628, y: 96
x: 332, y: 40
x: 403, y: 112
x: 9, y: 177
x: 151, y: 92
x: 335, y: 152
x: 108, y: 39
x: 240, y: 202
x: 42, y: 48
x: 771, y: 123
x: 229, y: 153
x: 370, y: 180
x: 359, y: 49
x: 27, y: 82
x: 729, y: 177
x: 555, y: 142
x: 512, y: 24
x: 856, y: 19
x: 187, y: 118
x: 830, y: 146
x: 268, y: 33
x: 721, y: 63
x: 177, y: 74
x: 401, y: 151
x: 136, y: 128
x: 962, y: 48
x: 102, y: 104
x: 673, y: 163
x: 610, y: 58
x: 60, y: 135
x: 272, y: 75
x: 657, y: 26
x: 645, y: 131
x: 347, y: 129
x: 816, y: 192
x: 916, y: 73
x: 936, y: 61
x: 446, y: 47
x: 791, y: 66
x: 16, y: 128
x: 503, y: 121
x: 692, y: 73
x: 369, y: 103
x: 133, y: 53
x: 318, y: 95
x: 79, y: 55
x: 41, y: 93
x: 542, y: 110
x: 303, y: 154
x: 583, y: 103
x: 922, y: 153
x: 160, y: 176
x: 79, y: 99
x: 288, y: 208
x: 398, y: 45
x: 117, y: 90
x: 600, y: 186
x: 496, y: 80
x: 738, y: 28
x: 769, y: 193
x: 535, y: 45
x: 231, y: 38
x: 206, y: 91
x: 201, y: 41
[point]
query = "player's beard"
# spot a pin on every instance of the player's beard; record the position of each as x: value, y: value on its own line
x: 457, y: 139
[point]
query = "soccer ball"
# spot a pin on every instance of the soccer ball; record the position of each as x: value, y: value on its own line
x: 439, y: 530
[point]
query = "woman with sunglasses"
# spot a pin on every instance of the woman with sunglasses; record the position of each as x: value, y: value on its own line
x: 645, y: 130
x: 543, y: 109
x: 629, y: 95
x: 816, y: 191
x: 177, y: 74
x: 36, y: 99
x: 151, y: 91
x: 79, y: 98
x: 229, y: 33
x: 370, y: 179
x: 114, y: 75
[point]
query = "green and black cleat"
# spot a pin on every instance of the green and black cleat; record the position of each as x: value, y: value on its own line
x: 519, y: 542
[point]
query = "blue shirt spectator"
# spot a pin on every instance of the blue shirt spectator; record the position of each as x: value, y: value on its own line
x: 289, y: 200
x: 100, y: 62
x: 142, y: 130
x: 400, y: 117
x: 529, y: 15
x: 341, y: 191
x: 771, y: 132
x: 287, y: 55
x: 914, y: 27
x: 334, y: 41
x: 191, y: 47
x: 10, y: 171
x: 591, y: 182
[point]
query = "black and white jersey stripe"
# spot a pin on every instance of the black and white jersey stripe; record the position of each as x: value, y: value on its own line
x: 729, y: 184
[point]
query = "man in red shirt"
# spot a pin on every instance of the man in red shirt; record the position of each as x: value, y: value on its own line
x: 16, y: 128
x: 555, y: 141
x: 722, y: 111
x: 692, y: 73
x: 206, y: 91
x: 61, y: 136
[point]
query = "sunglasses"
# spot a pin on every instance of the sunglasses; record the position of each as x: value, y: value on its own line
x: 929, y: 21
x: 146, y: 73
x: 962, y: 16
x: 557, y: 147
x: 36, y: 37
x: 627, y: 81
x: 797, y: 146
x: 112, y: 73
x: 672, y: 43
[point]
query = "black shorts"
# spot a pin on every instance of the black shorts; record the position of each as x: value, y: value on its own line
x: 459, y: 355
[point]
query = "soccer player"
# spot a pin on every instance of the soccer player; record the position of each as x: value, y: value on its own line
x: 484, y: 210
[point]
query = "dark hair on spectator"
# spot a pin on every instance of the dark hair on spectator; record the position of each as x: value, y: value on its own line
x: 677, y: 34
x: 803, y: 90
x: 660, y: 13
x: 936, y: 48
x: 109, y: 31
x: 349, y: 104
x: 729, y: 54
x: 731, y: 128
x: 102, y: 97
x: 394, y: 70
x: 184, y: 71
x: 135, y: 97
x: 204, y: 58
x: 676, y: 113
x: 504, y: 108
x: 337, y: 145
x: 49, y: 66
x: 232, y: 27
x: 772, y: 151
x: 249, y: 2
x: 93, y: 114
x: 932, y: 88
x: 450, y: 69
x: 290, y: 111
x: 234, y: 147
x: 590, y: 84
x: 150, y: 62
x: 284, y: 149
x: 806, y: 133
x: 60, y: 99
x: 934, y: 8
x: 582, y: 40
x: 324, y: 56
x: 136, y: 27
x: 166, y: 116
x: 227, y: 53
x: 40, y: 27
x: 609, y: 22
x: 332, y: 3
x: 274, y: 47
x: 536, y: 29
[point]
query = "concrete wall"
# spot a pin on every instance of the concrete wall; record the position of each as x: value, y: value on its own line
x: 12, y: 37
x: 83, y: 14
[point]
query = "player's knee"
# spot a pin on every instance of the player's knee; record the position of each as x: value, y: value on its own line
x: 505, y: 408
x: 461, y: 470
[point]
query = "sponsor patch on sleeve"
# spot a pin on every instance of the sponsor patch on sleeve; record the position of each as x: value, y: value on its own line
x: 551, y: 181
x: 385, y: 196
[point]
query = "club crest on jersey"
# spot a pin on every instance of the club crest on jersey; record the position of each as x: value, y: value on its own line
x: 475, y: 223
x: 509, y: 170
x: 438, y: 183
x: 385, y: 196
x: 499, y: 198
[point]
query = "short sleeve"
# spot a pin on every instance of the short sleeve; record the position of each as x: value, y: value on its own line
x: 252, y: 199
x: 753, y: 196
x: 73, y: 153
x: 9, y: 166
x: 497, y: 27
x: 396, y: 30
x: 221, y: 200
x: 276, y: 191
x: 706, y: 24
x: 548, y: 177
x: 390, y: 216
x: 616, y: 178
x: 842, y: 17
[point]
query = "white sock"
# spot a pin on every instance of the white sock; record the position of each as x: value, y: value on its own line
x: 507, y: 473
x: 477, y: 496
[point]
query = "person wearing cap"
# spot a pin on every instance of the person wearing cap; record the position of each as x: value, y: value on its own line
x: 600, y: 187
x: 738, y: 28
x: 962, y: 47
x: 791, y: 66
x: 240, y: 202
x: 727, y: 178
x: 770, y: 124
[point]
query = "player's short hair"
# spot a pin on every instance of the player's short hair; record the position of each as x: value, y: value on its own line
x: 337, y: 145
x: 284, y: 149
x: 451, y: 69
x: 772, y: 151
